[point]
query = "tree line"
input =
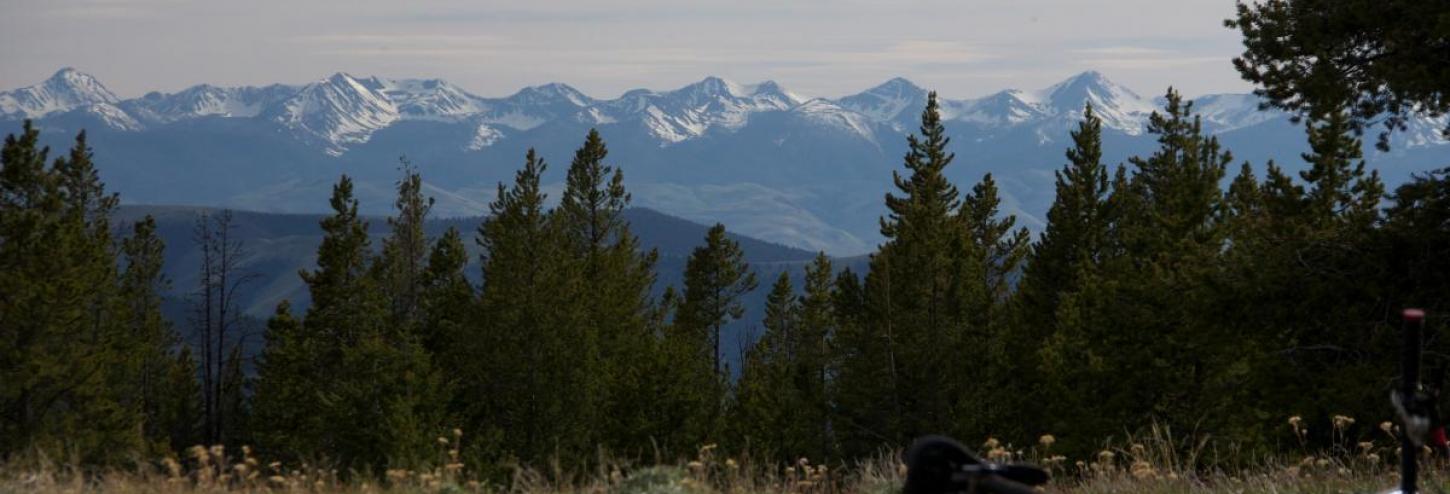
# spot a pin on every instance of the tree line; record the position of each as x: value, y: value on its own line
x: 1155, y: 295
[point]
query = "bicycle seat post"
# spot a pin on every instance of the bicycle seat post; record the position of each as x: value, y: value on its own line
x: 1414, y: 320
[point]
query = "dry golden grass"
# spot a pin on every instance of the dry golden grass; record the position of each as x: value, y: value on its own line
x: 1154, y: 463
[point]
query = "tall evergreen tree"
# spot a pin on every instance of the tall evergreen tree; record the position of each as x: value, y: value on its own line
x: 1378, y: 59
x: 400, y: 266
x: 529, y: 375
x: 819, y: 323
x: 1166, y: 235
x: 446, y: 300
x: 782, y: 400
x: 1077, y: 226
x: 860, y: 363
x: 914, y: 294
x: 1339, y: 185
x: 155, y: 356
x: 64, y: 360
x: 289, y: 420
x: 716, y: 277
x: 990, y: 256
x: 1074, y: 240
x: 765, y: 394
x: 371, y: 396
x: 1305, y: 248
x: 615, y: 303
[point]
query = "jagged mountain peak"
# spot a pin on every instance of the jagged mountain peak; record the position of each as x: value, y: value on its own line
x: 1093, y: 86
x: 337, y: 111
x: 713, y: 87
x: 890, y: 101
x: 773, y: 90
x: 554, y: 92
x: 897, y: 86
x: 1009, y: 107
x: 707, y: 90
x: 206, y: 100
x: 344, y: 79
x: 80, y: 82
x: 712, y: 84
x: 66, y: 90
x: 430, y: 99
x: 1119, y: 107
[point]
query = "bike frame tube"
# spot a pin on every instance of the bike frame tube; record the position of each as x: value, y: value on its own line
x: 1414, y: 320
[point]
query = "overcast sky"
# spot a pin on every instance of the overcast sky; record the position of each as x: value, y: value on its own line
x: 830, y: 48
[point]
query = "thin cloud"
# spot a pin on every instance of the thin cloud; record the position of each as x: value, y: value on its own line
x: 1151, y: 63
x: 110, y: 9
x: 1124, y: 51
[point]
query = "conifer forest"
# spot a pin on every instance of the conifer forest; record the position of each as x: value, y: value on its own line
x: 1184, y: 317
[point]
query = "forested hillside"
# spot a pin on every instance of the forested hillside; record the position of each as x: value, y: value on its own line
x: 1153, y: 297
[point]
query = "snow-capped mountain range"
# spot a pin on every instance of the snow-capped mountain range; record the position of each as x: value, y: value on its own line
x: 783, y: 166
x: 342, y: 110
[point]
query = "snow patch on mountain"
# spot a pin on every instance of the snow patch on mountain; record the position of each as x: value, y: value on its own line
x: 825, y: 112
x: 484, y: 136
x: 206, y: 100
x: 1225, y: 112
x: 111, y: 116
x: 1423, y: 132
x: 431, y: 99
x: 534, y: 106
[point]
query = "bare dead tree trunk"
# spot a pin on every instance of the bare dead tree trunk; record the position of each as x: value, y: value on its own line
x: 202, y: 319
x: 217, y: 317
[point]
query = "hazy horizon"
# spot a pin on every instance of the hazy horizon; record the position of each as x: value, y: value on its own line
x: 814, y: 48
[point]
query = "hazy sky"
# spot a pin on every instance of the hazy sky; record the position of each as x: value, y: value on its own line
x: 963, y: 48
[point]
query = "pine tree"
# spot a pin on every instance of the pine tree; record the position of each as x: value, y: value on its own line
x: 860, y: 360
x: 1074, y: 240
x: 1378, y: 59
x: 818, y: 326
x: 1305, y: 248
x: 142, y: 284
x: 1142, y: 320
x: 616, y: 300
x: 993, y: 258
x: 1417, y: 231
x: 1076, y: 226
x: 400, y: 265
x: 914, y: 293
x: 529, y: 343
x: 782, y: 404
x: 1339, y: 184
x: 64, y: 360
x: 766, y: 395
x: 446, y: 300
x: 289, y: 421
x: 343, y: 382
x: 179, y: 410
x: 716, y: 277
x: 344, y: 296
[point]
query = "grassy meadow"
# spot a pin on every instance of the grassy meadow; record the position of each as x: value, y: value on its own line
x: 1156, y: 463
